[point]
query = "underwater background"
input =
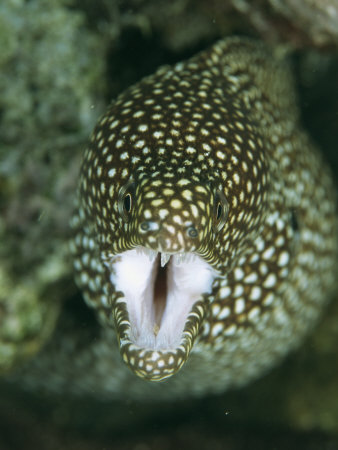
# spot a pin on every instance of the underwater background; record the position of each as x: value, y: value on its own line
x: 61, y: 62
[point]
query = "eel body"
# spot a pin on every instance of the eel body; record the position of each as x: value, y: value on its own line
x: 205, y: 236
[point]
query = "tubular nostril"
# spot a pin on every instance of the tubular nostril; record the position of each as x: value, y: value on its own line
x: 192, y: 232
x: 147, y: 225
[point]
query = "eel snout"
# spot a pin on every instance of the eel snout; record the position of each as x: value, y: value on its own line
x: 159, y: 293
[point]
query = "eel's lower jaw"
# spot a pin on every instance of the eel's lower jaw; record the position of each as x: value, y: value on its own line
x: 162, y: 309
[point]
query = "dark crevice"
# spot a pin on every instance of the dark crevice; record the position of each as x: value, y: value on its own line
x: 294, y: 220
x: 160, y: 292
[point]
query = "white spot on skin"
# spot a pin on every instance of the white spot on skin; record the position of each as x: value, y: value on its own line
x: 221, y: 140
x: 114, y: 124
x: 187, y: 194
x: 230, y: 331
x: 84, y: 278
x: 263, y: 268
x: 125, y: 129
x: 254, y: 314
x: 239, y: 274
x: 190, y: 138
x: 224, y: 292
x: 183, y: 182
x: 158, y: 134
x: 142, y: 128
x: 191, y: 150
x: 268, y: 299
x: 236, y: 178
x: 224, y: 313
x: 157, y: 202
x: 283, y: 259
x: 163, y: 213
x: 239, y: 306
x: 177, y: 219
x: 140, y: 143
x: 270, y: 281
x: 256, y: 293
x: 251, y: 278
x: 268, y: 253
x: 175, y: 203
x: 139, y: 113
x: 238, y: 290
x: 194, y: 210
x: 217, y: 329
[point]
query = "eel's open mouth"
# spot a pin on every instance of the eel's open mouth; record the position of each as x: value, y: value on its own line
x: 160, y: 293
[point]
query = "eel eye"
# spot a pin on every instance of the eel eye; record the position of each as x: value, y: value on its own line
x: 221, y: 209
x: 126, y: 200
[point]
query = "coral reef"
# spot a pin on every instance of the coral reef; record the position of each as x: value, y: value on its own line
x: 51, y: 75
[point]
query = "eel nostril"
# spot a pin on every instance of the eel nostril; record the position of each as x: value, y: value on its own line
x: 145, y: 226
x: 148, y: 225
x: 192, y: 232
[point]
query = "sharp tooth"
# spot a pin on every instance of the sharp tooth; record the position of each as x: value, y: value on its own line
x: 152, y: 255
x: 164, y: 259
x: 147, y: 252
x: 183, y: 258
x: 177, y: 259
x: 189, y: 257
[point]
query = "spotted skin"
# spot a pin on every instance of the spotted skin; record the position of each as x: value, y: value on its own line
x: 208, y: 157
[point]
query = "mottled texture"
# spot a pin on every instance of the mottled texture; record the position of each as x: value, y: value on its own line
x: 50, y: 65
x: 223, y: 124
x: 206, y: 157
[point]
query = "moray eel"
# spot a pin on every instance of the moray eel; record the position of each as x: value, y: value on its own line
x: 205, y: 234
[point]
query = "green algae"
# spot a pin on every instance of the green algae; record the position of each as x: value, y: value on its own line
x: 51, y: 92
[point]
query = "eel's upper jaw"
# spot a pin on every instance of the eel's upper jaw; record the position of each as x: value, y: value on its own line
x: 161, y: 310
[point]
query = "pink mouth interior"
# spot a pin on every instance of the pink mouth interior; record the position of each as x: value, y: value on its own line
x: 160, y: 291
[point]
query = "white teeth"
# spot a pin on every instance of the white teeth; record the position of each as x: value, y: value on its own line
x: 147, y: 251
x: 152, y: 255
x: 164, y: 259
x: 180, y: 258
x: 157, y: 315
